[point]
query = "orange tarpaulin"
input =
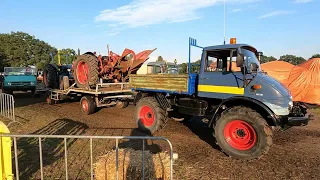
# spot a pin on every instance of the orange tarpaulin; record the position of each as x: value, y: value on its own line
x: 280, y: 70
x: 303, y: 80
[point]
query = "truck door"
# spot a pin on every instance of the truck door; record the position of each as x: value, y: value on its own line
x: 219, y: 77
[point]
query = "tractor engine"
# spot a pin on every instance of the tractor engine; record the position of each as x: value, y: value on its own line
x: 89, y: 68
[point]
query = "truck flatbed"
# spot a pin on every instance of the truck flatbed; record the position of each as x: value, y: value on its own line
x: 167, y: 83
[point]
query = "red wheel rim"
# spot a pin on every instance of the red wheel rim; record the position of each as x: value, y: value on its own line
x: 240, y: 135
x: 82, y: 72
x: 146, y: 116
x: 85, y: 105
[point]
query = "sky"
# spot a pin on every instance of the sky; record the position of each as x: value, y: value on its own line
x: 275, y: 27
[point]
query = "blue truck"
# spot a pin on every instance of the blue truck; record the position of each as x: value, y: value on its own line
x: 19, y: 79
x: 244, y: 106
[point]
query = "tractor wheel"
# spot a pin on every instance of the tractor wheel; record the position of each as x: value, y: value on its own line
x: 149, y: 115
x: 88, y: 105
x: 86, y: 70
x: 122, y: 104
x: 243, y: 133
x: 50, y: 77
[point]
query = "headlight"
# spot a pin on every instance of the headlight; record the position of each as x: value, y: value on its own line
x: 9, y: 84
x: 32, y: 83
x: 290, y: 105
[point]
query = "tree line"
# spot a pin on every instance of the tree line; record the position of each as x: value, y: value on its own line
x: 22, y: 49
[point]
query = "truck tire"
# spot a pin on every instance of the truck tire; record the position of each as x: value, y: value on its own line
x: 50, y: 77
x: 86, y: 71
x: 88, y: 105
x: 243, y: 133
x: 149, y: 115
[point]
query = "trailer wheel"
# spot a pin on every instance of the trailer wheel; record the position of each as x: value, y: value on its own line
x: 49, y: 101
x: 87, y: 105
x: 86, y: 70
x: 122, y: 104
x: 149, y: 115
x: 243, y: 133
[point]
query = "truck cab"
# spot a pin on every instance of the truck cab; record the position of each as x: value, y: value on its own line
x: 19, y: 79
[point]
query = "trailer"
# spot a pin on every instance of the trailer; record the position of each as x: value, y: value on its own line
x: 103, y: 95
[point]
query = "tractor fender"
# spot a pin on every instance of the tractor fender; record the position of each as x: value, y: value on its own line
x: 272, y: 119
x: 54, y: 65
x: 91, y: 53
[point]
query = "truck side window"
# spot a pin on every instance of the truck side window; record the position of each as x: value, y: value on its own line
x: 213, y: 64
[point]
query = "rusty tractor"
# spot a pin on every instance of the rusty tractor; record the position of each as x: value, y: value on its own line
x: 88, y: 68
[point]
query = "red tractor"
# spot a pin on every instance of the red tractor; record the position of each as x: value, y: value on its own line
x: 89, y: 68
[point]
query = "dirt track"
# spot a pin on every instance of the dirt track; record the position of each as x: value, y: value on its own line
x: 294, y: 155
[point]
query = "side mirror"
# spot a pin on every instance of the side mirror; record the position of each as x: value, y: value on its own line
x: 240, y: 58
x: 254, y: 67
x: 260, y: 54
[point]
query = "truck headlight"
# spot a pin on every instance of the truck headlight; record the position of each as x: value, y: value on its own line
x: 290, y: 105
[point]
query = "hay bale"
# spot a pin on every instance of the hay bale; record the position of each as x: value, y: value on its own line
x: 156, y: 166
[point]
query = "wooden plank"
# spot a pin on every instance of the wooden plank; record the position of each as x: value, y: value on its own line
x: 166, y: 82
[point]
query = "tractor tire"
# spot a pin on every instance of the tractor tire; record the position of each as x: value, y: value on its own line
x: 50, y: 77
x: 86, y: 71
x: 88, y: 106
x: 122, y: 104
x: 243, y: 133
x: 149, y: 115
x: 66, y: 82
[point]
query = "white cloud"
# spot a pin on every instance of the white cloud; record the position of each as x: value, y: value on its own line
x: 146, y: 12
x: 236, y: 10
x: 302, y: 1
x: 275, y: 13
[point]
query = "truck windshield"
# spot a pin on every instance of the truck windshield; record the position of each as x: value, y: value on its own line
x: 20, y: 71
x: 250, y: 57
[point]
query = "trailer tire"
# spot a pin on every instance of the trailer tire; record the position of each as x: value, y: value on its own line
x: 88, y: 105
x: 243, y: 133
x: 122, y: 104
x: 86, y: 70
x: 149, y: 115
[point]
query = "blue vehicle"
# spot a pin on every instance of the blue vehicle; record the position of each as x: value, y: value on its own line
x: 243, y: 107
x: 19, y: 79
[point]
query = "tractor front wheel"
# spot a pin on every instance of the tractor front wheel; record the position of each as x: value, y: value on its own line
x: 149, y: 115
x: 88, y: 105
x: 243, y: 133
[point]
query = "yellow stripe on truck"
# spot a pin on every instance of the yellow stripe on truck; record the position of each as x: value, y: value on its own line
x: 221, y: 89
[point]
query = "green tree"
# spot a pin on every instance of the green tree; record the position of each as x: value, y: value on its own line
x: 160, y: 58
x: 292, y: 59
x: 315, y: 56
x: 22, y: 49
x: 71, y: 53
x: 265, y: 59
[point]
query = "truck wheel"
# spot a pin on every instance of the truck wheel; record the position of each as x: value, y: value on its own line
x: 243, y: 133
x: 88, y: 105
x: 122, y: 104
x: 86, y: 70
x: 149, y: 115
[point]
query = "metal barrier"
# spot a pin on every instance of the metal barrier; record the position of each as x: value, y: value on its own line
x: 7, y: 106
x: 65, y: 137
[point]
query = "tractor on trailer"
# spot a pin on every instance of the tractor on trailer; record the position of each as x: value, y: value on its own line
x: 244, y: 106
